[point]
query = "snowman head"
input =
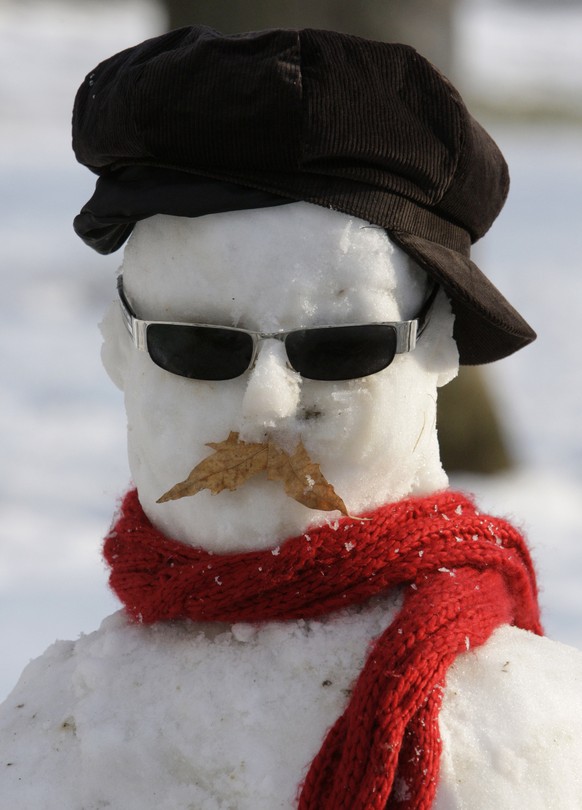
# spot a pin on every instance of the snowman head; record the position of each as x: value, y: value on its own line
x: 288, y: 180
x: 290, y: 267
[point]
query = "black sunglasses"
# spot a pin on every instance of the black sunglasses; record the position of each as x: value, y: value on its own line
x: 203, y: 351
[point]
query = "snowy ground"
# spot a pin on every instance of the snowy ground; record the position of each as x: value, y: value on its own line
x: 61, y: 421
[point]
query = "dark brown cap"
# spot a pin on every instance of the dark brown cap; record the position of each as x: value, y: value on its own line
x: 194, y: 122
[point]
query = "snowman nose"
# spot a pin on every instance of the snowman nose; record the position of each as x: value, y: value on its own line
x: 273, y: 389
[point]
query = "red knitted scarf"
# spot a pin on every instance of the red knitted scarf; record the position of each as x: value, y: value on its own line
x: 463, y: 574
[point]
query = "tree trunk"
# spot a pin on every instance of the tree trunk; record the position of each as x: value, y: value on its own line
x: 425, y: 24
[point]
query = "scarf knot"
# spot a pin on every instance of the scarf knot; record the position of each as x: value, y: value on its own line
x: 463, y: 574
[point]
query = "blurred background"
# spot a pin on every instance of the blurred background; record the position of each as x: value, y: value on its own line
x: 511, y: 433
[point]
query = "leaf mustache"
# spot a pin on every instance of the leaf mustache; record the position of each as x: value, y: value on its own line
x: 235, y: 461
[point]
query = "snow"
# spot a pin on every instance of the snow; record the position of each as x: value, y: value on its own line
x: 238, y: 721
x: 524, y: 750
x: 229, y: 719
x: 63, y: 430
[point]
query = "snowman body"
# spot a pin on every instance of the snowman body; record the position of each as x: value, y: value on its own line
x: 223, y: 716
x: 229, y: 718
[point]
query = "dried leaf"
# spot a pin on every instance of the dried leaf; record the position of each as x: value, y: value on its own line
x: 303, y: 480
x: 235, y: 461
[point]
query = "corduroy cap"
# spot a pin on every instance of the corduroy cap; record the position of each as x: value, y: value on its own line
x: 195, y: 122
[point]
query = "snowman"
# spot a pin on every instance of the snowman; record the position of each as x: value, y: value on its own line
x: 311, y: 617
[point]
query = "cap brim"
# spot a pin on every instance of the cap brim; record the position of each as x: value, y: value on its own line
x: 133, y: 193
x: 487, y: 327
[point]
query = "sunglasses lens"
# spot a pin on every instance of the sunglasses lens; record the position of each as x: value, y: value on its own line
x: 200, y: 352
x: 341, y: 352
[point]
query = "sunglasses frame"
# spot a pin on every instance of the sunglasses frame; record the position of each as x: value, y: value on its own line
x: 407, y: 332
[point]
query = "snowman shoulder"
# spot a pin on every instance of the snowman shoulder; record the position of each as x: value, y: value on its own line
x: 41, y: 753
x: 180, y: 714
x: 38, y: 747
x: 511, y: 726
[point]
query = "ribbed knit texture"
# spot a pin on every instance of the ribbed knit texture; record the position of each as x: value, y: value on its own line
x: 463, y: 575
